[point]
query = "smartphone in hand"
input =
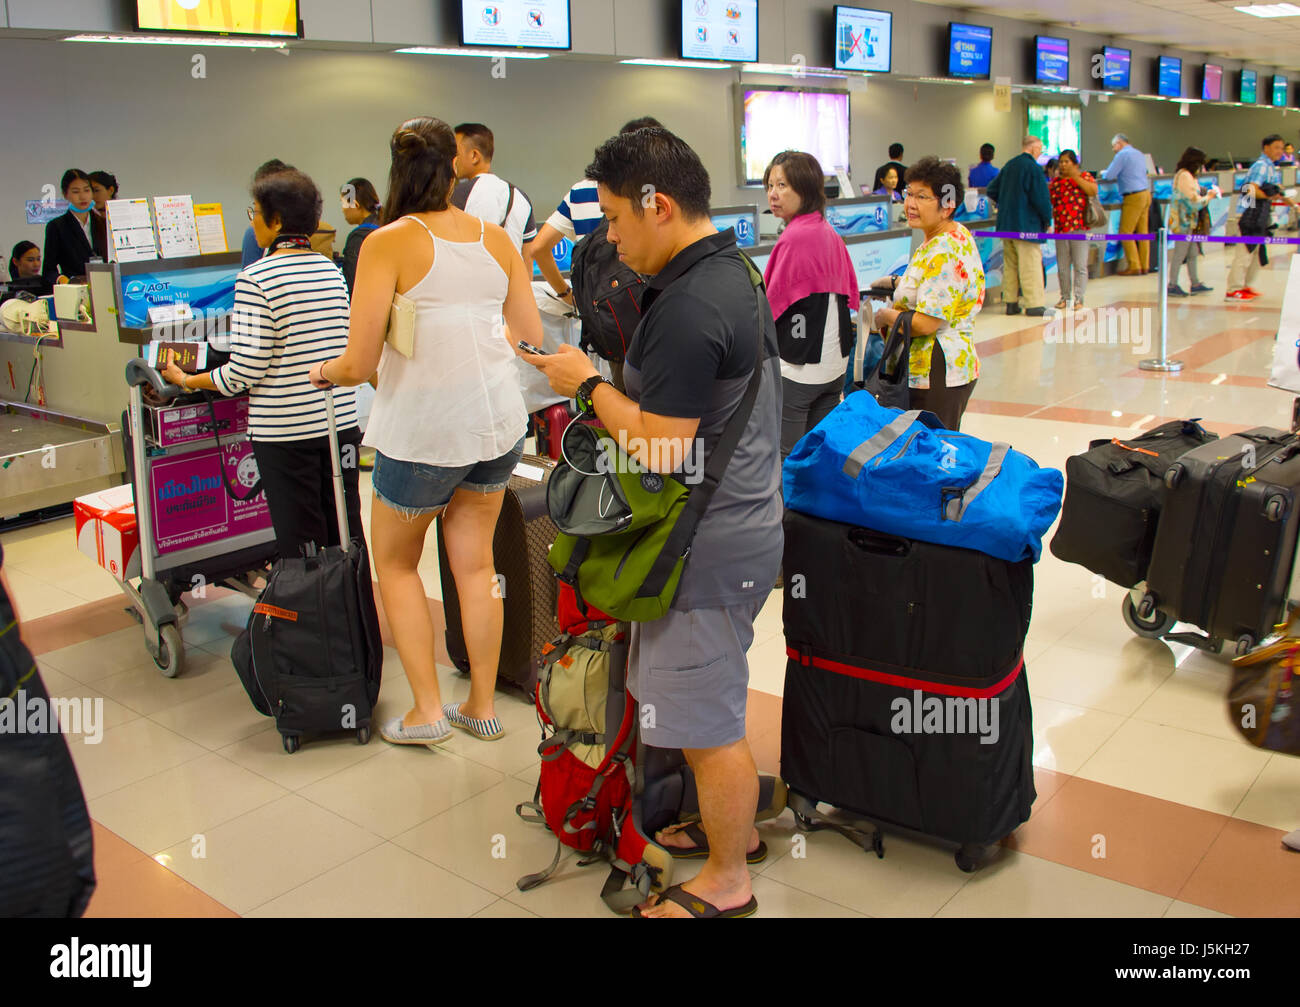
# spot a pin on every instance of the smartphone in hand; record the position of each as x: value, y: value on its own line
x: 530, y: 348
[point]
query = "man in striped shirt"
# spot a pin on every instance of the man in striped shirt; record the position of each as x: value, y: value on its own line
x: 576, y: 217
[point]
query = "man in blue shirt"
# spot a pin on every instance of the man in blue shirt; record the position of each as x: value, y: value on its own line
x: 984, y: 172
x: 1254, y: 207
x: 1129, y: 169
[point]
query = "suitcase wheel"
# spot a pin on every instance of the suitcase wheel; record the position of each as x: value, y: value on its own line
x: 1245, y: 643
x: 291, y: 743
x: 971, y: 857
x: 363, y: 735
x: 1173, y: 476
x: 1274, y: 508
x: 1144, y: 619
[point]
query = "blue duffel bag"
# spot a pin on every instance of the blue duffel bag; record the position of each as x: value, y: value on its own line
x: 903, y: 474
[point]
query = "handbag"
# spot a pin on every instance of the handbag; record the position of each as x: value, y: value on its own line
x: 888, y: 383
x: 625, y: 531
x: 1202, y: 225
x: 1094, y: 215
x: 1261, y: 697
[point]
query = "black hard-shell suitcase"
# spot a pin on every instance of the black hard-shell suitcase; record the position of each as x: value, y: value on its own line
x: 905, y: 692
x: 1226, y: 543
x: 524, y: 534
x: 1113, y: 495
x: 311, y: 655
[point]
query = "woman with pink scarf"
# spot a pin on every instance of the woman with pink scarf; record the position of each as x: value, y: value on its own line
x: 813, y: 290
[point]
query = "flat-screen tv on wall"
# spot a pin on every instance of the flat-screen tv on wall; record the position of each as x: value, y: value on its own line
x: 1116, y: 65
x: 1211, y: 82
x: 275, y: 18
x: 1169, y: 77
x: 1051, y: 60
x: 864, y: 39
x: 970, y: 51
x: 773, y: 119
x: 722, y: 30
x: 1279, y: 91
x: 521, y: 24
x: 1248, y: 83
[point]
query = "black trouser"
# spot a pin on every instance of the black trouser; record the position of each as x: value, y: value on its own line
x: 947, y: 403
x: 299, y: 485
x: 803, y: 407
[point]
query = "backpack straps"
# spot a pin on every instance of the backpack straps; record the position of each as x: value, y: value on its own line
x: 678, y: 543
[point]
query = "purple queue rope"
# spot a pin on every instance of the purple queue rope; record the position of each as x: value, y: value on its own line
x: 1214, y: 238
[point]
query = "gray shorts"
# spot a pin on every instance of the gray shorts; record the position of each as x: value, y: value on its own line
x: 690, y: 676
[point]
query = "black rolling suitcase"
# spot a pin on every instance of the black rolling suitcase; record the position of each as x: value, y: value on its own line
x: 905, y: 693
x: 311, y: 655
x: 524, y: 534
x: 1226, y: 543
x: 1113, y: 495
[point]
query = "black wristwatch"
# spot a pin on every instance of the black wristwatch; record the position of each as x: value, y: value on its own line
x: 588, y: 388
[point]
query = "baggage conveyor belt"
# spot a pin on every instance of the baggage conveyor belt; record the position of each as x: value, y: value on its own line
x: 49, y: 458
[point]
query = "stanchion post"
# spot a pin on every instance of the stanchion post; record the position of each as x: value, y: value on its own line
x: 1162, y: 362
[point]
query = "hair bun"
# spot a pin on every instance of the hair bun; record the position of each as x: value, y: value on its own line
x: 409, y: 143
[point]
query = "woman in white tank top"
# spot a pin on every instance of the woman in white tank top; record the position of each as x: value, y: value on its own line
x: 447, y: 423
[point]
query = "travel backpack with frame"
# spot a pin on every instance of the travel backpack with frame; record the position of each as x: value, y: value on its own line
x: 606, y: 295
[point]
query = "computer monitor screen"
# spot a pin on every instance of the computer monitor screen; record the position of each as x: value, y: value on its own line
x: 1248, y: 83
x: 742, y: 219
x: 1211, y: 82
x: 723, y: 30
x: 970, y: 50
x: 525, y: 24
x: 875, y: 256
x: 776, y: 119
x: 1169, y: 77
x: 1116, y: 67
x: 1051, y: 60
x: 860, y: 215
x: 863, y: 39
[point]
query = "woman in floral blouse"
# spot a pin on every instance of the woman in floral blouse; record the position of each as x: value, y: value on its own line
x: 944, y: 286
x: 1069, y: 193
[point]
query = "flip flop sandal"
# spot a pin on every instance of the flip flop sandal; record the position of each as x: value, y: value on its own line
x: 484, y: 730
x: 701, y: 910
x: 397, y: 733
x: 700, y: 850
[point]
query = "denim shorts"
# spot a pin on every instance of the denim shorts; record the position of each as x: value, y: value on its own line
x: 413, y: 488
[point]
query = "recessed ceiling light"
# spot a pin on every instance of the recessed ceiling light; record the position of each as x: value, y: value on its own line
x: 193, y: 40
x: 1270, y: 10
x: 480, y: 53
x: 687, y: 63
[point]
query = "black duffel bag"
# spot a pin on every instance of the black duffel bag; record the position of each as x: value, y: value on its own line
x: 1113, y: 495
x: 46, y: 850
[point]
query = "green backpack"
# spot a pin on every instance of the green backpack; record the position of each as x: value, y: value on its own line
x: 625, y: 532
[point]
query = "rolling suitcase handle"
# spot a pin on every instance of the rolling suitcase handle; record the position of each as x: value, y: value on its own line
x: 336, y: 471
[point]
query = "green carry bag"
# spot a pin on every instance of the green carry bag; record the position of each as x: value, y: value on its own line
x: 625, y: 532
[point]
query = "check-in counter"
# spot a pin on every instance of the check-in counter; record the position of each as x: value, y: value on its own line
x: 71, y: 444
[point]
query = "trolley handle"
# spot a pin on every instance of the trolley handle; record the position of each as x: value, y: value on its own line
x: 140, y: 373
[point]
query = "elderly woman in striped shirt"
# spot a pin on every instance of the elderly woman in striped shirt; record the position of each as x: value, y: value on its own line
x: 291, y: 313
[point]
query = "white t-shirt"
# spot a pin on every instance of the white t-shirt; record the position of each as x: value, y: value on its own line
x: 833, y: 363
x: 486, y: 196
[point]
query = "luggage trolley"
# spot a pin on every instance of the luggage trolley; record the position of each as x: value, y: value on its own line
x: 220, y: 555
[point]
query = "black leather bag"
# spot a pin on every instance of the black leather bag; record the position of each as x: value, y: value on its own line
x: 889, y: 381
x: 47, y: 863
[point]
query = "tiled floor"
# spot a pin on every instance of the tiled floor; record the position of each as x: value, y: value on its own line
x: 1149, y: 804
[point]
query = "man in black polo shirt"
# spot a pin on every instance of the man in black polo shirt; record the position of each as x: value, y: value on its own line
x: 687, y: 368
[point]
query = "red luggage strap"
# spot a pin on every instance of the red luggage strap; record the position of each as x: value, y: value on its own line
x: 804, y: 656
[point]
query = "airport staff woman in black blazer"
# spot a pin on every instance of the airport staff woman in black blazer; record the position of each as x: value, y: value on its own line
x: 70, y: 238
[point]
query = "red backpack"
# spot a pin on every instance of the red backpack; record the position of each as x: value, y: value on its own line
x: 586, y: 790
